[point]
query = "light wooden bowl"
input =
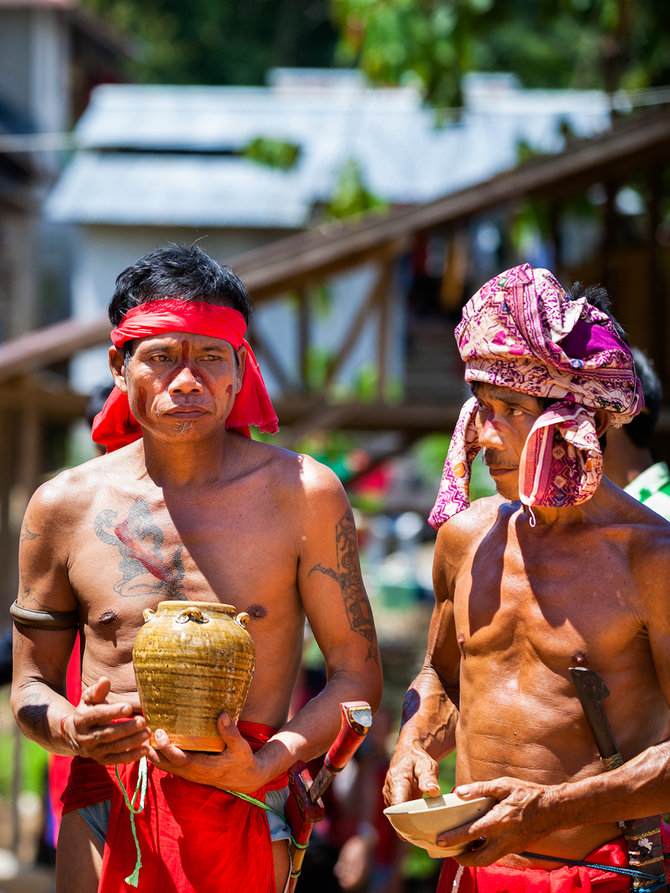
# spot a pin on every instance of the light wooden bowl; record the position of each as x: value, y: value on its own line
x: 420, y: 821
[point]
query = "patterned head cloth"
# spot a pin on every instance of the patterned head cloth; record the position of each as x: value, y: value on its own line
x: 521, y: 331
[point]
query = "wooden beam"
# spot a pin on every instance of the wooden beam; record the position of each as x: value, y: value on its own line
x: 304, y: 334
x: 270, y: 360
x: 51, y: 396
x: 308, y: 413
x: 52, y: 344
x: 300, y: 256
x: 375, y: 296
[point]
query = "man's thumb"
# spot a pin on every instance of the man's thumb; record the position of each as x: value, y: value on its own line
x: 227, y: 729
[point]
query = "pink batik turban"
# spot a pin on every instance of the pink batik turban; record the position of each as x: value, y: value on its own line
x: 521, y: 331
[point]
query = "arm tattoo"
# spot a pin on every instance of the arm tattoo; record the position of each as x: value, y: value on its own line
x: 27, y: 534
x: 348, y: 575
x: 140, y: 542
x: 410, y: 706
x: 33, y: 712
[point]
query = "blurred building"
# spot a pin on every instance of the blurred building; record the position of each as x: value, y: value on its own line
x: 243, y: 167
x: 51, y: 56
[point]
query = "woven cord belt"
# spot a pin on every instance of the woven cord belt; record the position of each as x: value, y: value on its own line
x: 654, y: 881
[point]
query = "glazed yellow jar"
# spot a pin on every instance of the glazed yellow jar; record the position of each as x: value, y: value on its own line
x: 193, y: 661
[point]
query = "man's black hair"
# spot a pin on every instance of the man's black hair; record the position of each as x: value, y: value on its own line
x: 641, y: 428
x: 177, y: 271
x: 599, y: 298
x: 96, y: 400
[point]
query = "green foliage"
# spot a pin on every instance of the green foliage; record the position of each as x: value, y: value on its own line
x: 410, y: 41
x: 272, y: 153
x: 605, y: 44
x: 33, y: 765
x: 351, y: 197
x: 219, y: 41
x: 429, y: 454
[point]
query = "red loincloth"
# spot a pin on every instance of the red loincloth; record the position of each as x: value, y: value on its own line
x: 59, y: 765
x: 566, y: 879
x: 193, y: 838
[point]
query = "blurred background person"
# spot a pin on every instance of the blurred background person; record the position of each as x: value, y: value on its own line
x: 628, y: 459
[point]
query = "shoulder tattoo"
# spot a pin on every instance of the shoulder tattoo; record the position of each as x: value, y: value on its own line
x: 147, y: 567
x: 348, y: 575
x: 27, y: 533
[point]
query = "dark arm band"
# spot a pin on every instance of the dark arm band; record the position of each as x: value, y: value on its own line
x: 45, y: 619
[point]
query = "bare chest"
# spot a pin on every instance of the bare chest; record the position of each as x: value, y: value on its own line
x: 132, y: 553
x: 560, y: 604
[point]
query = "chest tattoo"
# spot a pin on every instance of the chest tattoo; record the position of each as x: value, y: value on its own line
x: 141, y: 544
x: 348, y: 575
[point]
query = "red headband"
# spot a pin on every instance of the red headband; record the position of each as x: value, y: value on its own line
x: 116, y: 426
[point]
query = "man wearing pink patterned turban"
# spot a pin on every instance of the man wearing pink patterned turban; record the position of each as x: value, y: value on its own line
x: 561, y: 573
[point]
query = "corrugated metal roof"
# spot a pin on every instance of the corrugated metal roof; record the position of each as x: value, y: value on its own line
x: 404, y: 156
x: 164, y: 189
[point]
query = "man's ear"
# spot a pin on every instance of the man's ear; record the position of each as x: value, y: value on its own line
x: 241, y: 366
x: 118, y: 368
x: 602, y: 421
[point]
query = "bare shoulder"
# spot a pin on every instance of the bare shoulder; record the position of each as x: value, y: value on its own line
x: 644, y: 538
x: 459, y: 537
x: 61, y: 500
x: 304, y: 478
x: 463, y: 531
x: 636, y: 521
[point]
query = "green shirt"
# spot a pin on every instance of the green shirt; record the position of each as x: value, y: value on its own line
x: 652, y: 487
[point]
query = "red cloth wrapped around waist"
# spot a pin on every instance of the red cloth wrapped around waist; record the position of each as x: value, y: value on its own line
x: 90, y: 783
x: 455, y: 878
x: 193, y: 838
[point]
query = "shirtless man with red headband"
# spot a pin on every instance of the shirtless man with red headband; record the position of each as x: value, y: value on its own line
x: 185, y: 505
x: 560, y: 571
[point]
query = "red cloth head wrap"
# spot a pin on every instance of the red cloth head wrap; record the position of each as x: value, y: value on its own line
x: 116, y: 426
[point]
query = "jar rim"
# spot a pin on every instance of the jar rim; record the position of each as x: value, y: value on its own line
x: 185, y: 605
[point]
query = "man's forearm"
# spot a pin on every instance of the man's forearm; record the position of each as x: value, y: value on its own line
x: 429, y: 715
x: 314, y: 728
x: 38, y: 710
x: 639, y: 788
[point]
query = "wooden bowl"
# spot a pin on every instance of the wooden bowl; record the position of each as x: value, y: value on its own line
x: 420, y: 821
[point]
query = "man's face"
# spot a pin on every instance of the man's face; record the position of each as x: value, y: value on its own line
x: 503, y: 424
x: 179, y: 383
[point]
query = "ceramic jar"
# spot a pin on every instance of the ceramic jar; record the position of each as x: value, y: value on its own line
x: 193, y: 661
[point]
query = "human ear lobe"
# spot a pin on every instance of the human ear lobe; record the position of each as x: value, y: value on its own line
x: 117, y: 367
x: 241, y: 366
x: 601, y: 421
